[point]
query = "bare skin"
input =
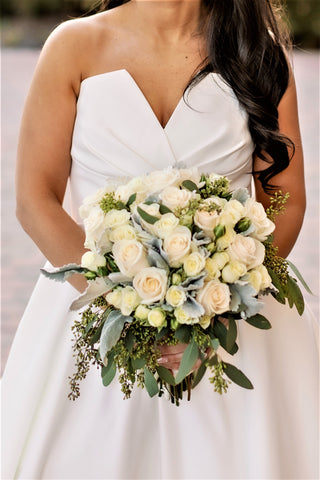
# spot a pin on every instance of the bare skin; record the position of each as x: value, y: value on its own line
x: 159, y: 45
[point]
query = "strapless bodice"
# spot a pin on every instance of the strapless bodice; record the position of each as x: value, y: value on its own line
x: 117, y: 134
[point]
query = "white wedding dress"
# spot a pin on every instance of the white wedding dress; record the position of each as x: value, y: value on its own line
x: 270, y: 432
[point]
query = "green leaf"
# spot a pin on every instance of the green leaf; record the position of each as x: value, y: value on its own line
x: 147, y: 217
x: 295, y: 295
x: 111, y: 331
x: 199, y: 374
x: 231, y: 334
x: 280, y: 296
x: 108, y: 372
x: 259, y: 321
x: 160, y: 334
x: 183, y: 334
x: 300, y: 277
x: 237, y: 376
x: 138, y: 363
x: 150, y: 382
x: 190, y: 185
x: 188, y: 360
x: 129, y: 341
x: 132, y: 199
x: 215, y: 343
x: 61, y: 274
x: 166, y: 375
x: 163, y: 209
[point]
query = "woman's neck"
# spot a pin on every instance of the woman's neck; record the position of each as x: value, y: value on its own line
x: 168, y: 20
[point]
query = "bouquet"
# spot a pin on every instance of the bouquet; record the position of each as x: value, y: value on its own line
x: 173, y: 256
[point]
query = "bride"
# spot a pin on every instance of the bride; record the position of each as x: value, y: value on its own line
x: 107, y: 100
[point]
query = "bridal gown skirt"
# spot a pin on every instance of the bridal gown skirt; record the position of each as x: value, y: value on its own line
x: 270, y: 432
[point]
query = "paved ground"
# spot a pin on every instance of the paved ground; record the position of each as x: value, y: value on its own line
x: 20, y: 258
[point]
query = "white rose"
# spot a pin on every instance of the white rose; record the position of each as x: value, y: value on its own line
x: 165, y: 225
x: 92, y: 260
x: 125, y: 232
x: 115, y: 218
x: 153, y: 210
x: 94, y: 226
x: 207, y: 221
x: 194, y: 263
x: 142, y: 312
x: 156, y: 317
x: 214, y: 297
x: 233, y: 271
x: 130, y: 256
x: 135, y: 185
x: 183, y: 318
x: 256, y: 213
x: 173, y: 197
x: 114, y: 298
x: 160, y: 179
x: 227, y: 239
x: 247, y: 250
x: 177, y: 245
x: 175, y: 296
x: 231, y: 213
x: 189, y: 174
x: 94, y: 200
x: 258, y: 278
x: 129, y: 300
x: 151, y: 284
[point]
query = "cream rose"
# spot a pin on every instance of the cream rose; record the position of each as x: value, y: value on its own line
x: 114, y: 298
x: 173, y: 197
x: 205, y: 321
x: 92, y: 261
x: 124, y: 232
x: 233, y: 271
x: 94, y: 226
x: 189, y: 174
x: 160, y: 179
x: 130, y: 256
x: 263, y: 227
x: 183, y: 318
x: 151, y: 284
x: 115, y: 218
x: 142, y: 312
x: 258, y: 278
x: 231, y: 213
x: 214, y: 297
x: 206, y: 221
x: 194, y: 263
x: 227, y: 239
x: 177, y: 245
x: 247, y: 250
x: 129, y: 300
x: 94, y: 200
x: 156, y: 317
x: 136, y: 185
x: 175, y: 296
x: 165, y: 225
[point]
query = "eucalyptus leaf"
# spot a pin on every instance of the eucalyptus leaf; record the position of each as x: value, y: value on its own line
x: 183, y: 333
x: 132, y: 199
x: 138, y: 363
x: 276, y: 282
x: 259, y: 321
x: 300, y: 277
x: 295, y: 294
x: 215, y: 343
x: 231, y: 334
x: 147, y: 217
x: 150, y: 382
x: 108, y: 372
x: 129, y: 341
x: 61, y: 274
x: 190, y: 185
x: 237, y: 376
x: 166, y: 375
x: 163, y: 209
x: 188, y: 360
x: 111, y: 332
x: 199, y: 374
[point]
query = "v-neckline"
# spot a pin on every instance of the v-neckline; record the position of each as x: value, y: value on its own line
x: 142, y: 95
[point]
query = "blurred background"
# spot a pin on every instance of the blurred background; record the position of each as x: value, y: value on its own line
x: 25, y: 24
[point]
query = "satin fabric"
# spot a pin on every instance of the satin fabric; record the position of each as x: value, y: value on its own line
x: 268, y: 433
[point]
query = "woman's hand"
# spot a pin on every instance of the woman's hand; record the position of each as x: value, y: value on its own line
x: 171, y: 356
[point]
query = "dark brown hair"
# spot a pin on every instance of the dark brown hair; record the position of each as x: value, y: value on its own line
x: 247, y: 48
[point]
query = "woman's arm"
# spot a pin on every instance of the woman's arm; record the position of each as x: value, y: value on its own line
x: 291, y: 179
x: 44, y: 161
